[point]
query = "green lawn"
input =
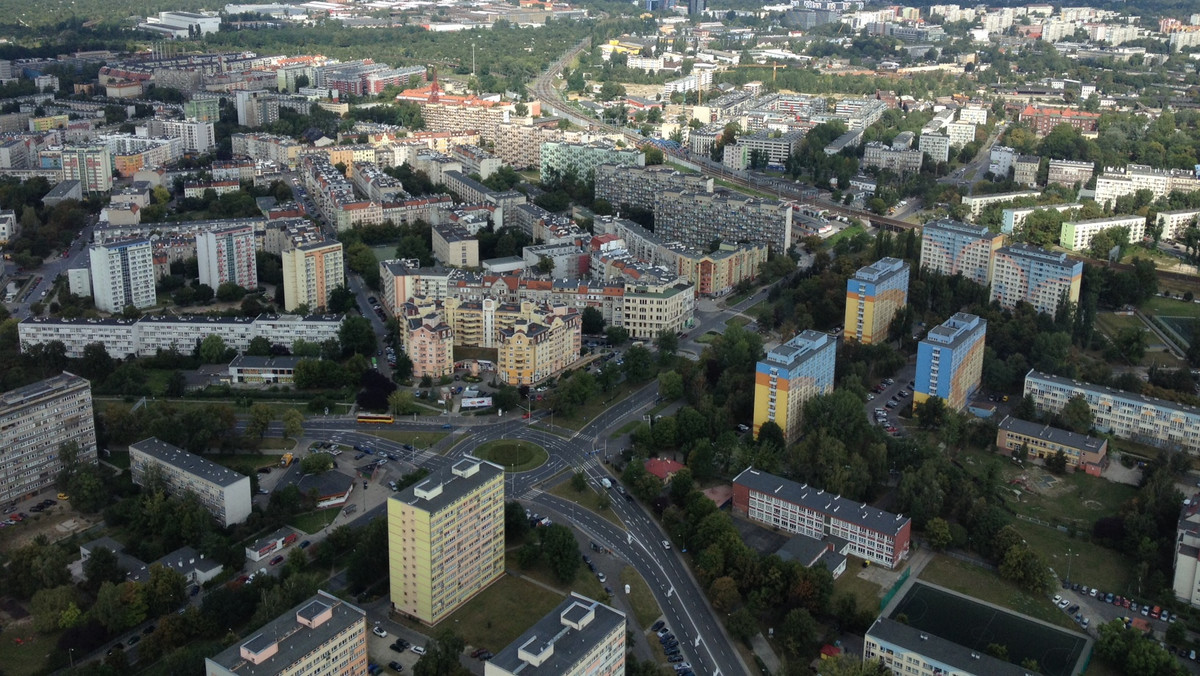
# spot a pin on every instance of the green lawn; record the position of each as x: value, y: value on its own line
x: 845, y: 233
x: 514, y: 456
x: 707, y: 337
x: 313, y: 522
x: 1090, y: 563
x: 589, y: 499
x: 384, y: 252
x: 277, y: 444
x: 597, y: 405
x: 500, y: 613
x: 118, y: 459
x: 865, y: 592
x: 585, y: 581
x: 645, y: 608
x: 625, y: 429
x: 418, y: 439
x: 1171, y: 307
x: 29, y: 656
x: 969, y: 579
x: 1078, y: 498
x: 1111, y: 323
x: 246, y: 463
x: 737, y: 321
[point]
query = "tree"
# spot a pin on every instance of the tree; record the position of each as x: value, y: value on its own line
x: 682, y: 485
x: 96, y: 364
x: 1131, y: 342
x: 1057, y: 463
x: 260, y: 418
x: 938, y: 531
x: 119, y: 606
x: 670, y: 385
x: 616, y: 335
x: 639, y: 364
x: 593, y: 321
x: 1076, y: 415
x: 799, y: 631
x: 228, y: 292
x: 545, y: 265
x: 259, y: 347
x: 165, y: 591
x: 401, y: 402
x: 357, y: 336
x: 50, y: 606
x: 101, y: 566
x: 212, y: 349
x: 579, y: 482
x: 176, y: 384
x: 341, y: 300
x: 667, y: 344
x: 724, y: 594
x: 516, y: 524
x: 561, y: 551
x: 316, y: 463
x: 293, y: 423
x: 771, y: 433
x: 441, y: 656
x: 931, y: 413
x: 506, y: 398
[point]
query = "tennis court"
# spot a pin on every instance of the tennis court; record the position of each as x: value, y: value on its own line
x: 976, y: 625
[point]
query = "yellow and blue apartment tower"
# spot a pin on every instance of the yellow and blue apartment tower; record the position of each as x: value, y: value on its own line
x: 446, y: 539
x: 793, y: 373
x: 873, y: 296
x: 950, y: 361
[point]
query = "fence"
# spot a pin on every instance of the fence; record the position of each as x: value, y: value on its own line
x: 891, y: 593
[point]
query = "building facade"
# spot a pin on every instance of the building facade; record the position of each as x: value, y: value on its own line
x: 35, y: 422
x: 873, y: 296
x: 790, y: 375
x: 1069, y: 172
x: 1043, y: 120
x: 1043, y: 441
x: 951, y: 247
x: 228, y: 255
x: 1174, y: 224
x: 311, y: 272
x: 907, y: 650
x: 950, y: 361
x: 429, y: 344
x: 696, y: 219
x: 560, y: 158
x: 532, y: 351
x: 1078, y: 235
x: 446, y: 539
x: 122, y: 275
x: 1126, y: 415
x: 223, y: 492
x: 580, y: 637
x: 1187, y: 553
x: 1031, y: 274
x: 872, y: 534
x: 324, y: 634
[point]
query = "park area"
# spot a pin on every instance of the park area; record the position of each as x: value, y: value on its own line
x: 513, y: 456
x: 976, y: 626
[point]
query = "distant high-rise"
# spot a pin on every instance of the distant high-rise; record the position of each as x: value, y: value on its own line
x: 697, y: 6
x: 310, y: 273
x: 873, y: 296
x: 950, y: 247
x: 122, y: 274
x: 950, y: 361
x: 227, y: 255
x: 35, y: 421
x: 256, y: 108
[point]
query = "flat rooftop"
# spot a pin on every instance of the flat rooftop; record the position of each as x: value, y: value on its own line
x: 191, y: 463
x: 567, y: 633
x: 811, y: 498
x: 447, y: 486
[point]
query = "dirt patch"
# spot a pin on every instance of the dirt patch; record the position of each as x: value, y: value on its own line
x: 13, y: 610
x: 1093, y: 504
x: 55, y: 526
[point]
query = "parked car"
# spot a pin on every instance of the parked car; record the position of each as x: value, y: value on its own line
x: 419, y: 649
x: 395, y: 666
x: 277, y: 560
x: 657, y: 625
x: 379, y: 631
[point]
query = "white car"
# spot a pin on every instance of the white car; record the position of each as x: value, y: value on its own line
x: 666, y: 545
x: 379, y: 631
x: 683, y: 665
x: 418, y: 649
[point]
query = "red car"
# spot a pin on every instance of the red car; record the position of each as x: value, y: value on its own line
x: 275, y: 561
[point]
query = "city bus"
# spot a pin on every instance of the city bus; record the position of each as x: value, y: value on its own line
x: 385, y: 419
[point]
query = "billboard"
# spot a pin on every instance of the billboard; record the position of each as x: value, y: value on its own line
x: 475, y: 402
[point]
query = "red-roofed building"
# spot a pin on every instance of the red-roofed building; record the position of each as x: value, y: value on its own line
x: 1044, y: 120
x: 662, y: 468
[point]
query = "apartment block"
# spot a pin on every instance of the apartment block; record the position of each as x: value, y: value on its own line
x: 950, y: 361
x: 1043, y: 441
x: 1013, y: 218
x: 625, y: 187
x: 454, y: 246
x: 580, y: 637
x: 278, y: 149
x: 144, y: 337
x: 1078, y: 235
x: 228, y: 255
x: 35, y: 421
x: 429, y: 344
x: 538, y: 348
x: 1173, y: 223
x: 960, y: 133
x: 311, y: 271
x: 790, y: 375
x: 122, y: 275
x: 10, y: 227
x: 872, y: 534
x: 476, y: 160
x: 1044, y: 120
x: 882, y: 156
x: 197, y: 136
x: 323, y: 634
x: 936, y: 146
x: 873, y: 297
x: 203, y: 109
x: 775, y: 147
x: 1000, y: 160
x: 1044, y: 279
x: 976, y: 203
x: 1025, y: 169
x: 256, y: 108
x: 223, y: 492
x: 90, y: 164
x: 1126, y: 415
x: 1068, y: 173
x: 581, y: 159
x: 951, y: 247
x: 446, y: 539
x: 908, y: 650
x: 696, y: 219
x: 1120, y: 182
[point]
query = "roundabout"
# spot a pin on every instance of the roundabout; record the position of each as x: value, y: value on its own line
x: 513, y: 455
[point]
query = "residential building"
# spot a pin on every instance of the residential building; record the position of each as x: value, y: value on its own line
x: 873, y: 534
x: 1173, y: 224
x: 1187, y: 553
x: 91, y: 165
x: 323, y: 634
x: 429, y: 344
x: 228, y: 255
x: 951, y: 247
x: 1126, y: 415
x: 1042, y: 441
x: 882, y: 156
x: 144, y: 337
x: 1078, y: 235
x: 1120, y: 182
x: 774, y: 147
x: 1044, y: 279
x: 249, y: 370
x: 122, y: 275
x: 539, y: 348
x: 790, y: 375
x: 1000, y: 160
x: 873, y: 296
x: 936, y: 146
x: 696, y: 219
x: 960, y: 133
x: 223, y: 492
x: 446, y: 539
x: 281, y: 150
x: 848, y: 140
x: 1013, y: 218
x: 580, y: 637
x: 1069, y: 173
x: 10, y: 227
x: 35, y: 422
x: 197, y: 136
x: 976, y: 203
x: 973, y: 114
x: 581, y: 159
x: 908, y: 650
x: 476, y: 160
x: 203, y: 109
x: 1025, y: 169
x: 311, y: 271
x: 950, y: 361
x: 454, y: 246
x: 256, y: 108
x: 624, y: 187
x: 1043, y: 120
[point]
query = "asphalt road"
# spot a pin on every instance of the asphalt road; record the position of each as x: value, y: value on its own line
x: 77, y: 256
